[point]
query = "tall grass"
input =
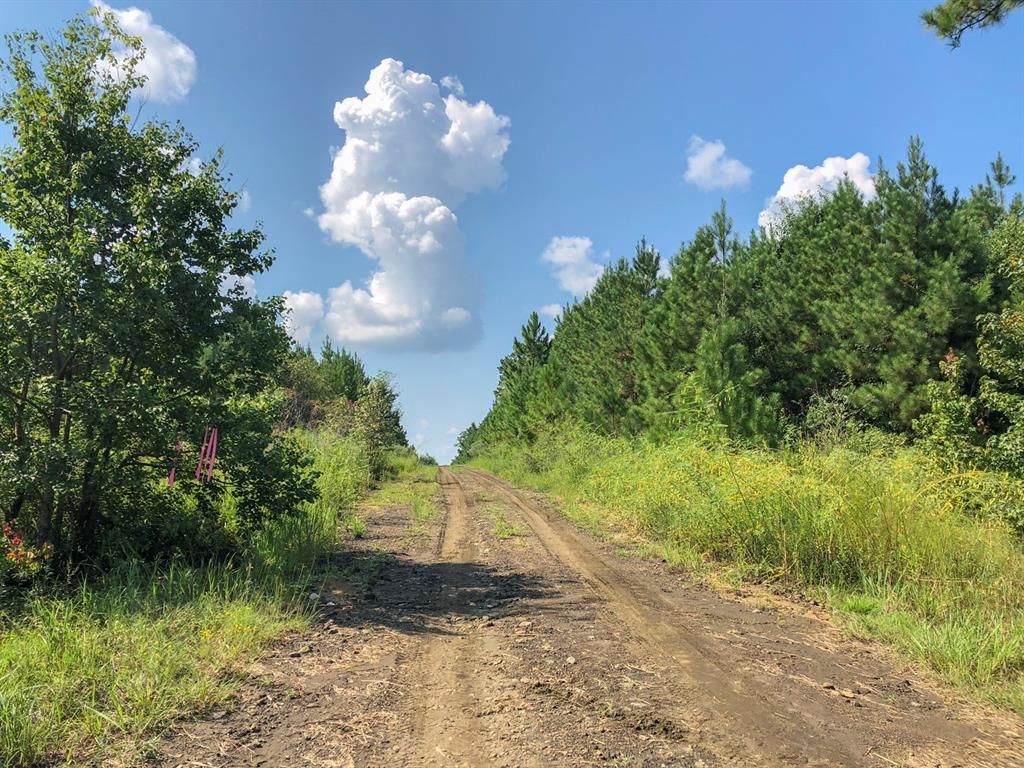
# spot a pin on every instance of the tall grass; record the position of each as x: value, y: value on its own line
x: 886, y: 538
x: 90, y: 675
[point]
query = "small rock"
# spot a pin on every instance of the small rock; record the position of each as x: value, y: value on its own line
x: 571, y: 660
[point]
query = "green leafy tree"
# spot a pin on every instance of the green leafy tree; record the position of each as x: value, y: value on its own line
x: 983, y: 425
x: 305, y: 389
x: 866, y: 296
x: 120, y: 331
x: 378, y: 422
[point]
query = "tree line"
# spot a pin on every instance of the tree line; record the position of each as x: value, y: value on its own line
x: 901, y: 313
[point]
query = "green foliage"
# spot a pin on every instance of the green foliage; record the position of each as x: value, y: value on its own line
x: 951, y: 18
x: 466, y: 442
x: 91, y: 675
x: 334, y: 393
x: 119, y: 332
x: 593, y: 368
x: 981, y: 423
x: 377, y: 423
x: 529, y: 351
x: 719, y: 398
x: 342, y: 371
x: 1001, y: 351
x: 319, y: 389
x: 857, y: 300
x: 694, y: 295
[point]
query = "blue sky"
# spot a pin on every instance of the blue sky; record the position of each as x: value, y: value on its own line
x: 455, y: 208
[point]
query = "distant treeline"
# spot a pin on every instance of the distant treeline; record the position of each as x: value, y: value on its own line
x: 902, y: 313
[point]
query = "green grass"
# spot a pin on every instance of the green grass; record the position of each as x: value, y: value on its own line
x: 93, y: 675
x: 897, y: 546
x: 501, y: 527
x: 414, y: 487
x: 97, y: 672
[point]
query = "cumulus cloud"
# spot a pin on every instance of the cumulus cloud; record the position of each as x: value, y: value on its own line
x: 410, y: 157
x: 801, y: 181
x: 303, y: 312
x: 169, y: 65
x: 551, y: 310
x: 573, y: 262
x: 710, y: 167
x: 453, y: 84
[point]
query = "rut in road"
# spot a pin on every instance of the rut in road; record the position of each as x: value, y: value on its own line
x: 496, y: 634
x: 445, y: 729
x: 778, y: 720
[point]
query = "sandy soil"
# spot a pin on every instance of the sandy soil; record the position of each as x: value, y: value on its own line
x: 499, y: 635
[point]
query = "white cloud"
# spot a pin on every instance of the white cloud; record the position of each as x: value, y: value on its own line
x: 453, y: 84
x: 409, y: 158
x: 709, y: 167
x: 244, y: 202
x: 169, y: 65
x: 801, y: 181
x: 573, y: 260
x: 551, y: 310
x: 418, y: 439
x: 452, y: 431
x: 304, y: 310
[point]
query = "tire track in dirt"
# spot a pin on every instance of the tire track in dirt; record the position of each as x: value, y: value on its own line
x: 773, y: 721
x: 444, y: 727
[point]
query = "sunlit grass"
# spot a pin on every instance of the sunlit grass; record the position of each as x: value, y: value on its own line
x: 91, y: 675
x: 414, y: 487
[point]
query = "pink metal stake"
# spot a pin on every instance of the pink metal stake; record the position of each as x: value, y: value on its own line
x: 212, y: 455
x: 202, y: 455
x: 174, y: 464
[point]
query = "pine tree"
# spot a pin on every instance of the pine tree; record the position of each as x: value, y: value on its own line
x: 529, y: 350
x: 342, y: 371
x: 691, y: 299
x: 594, y: 349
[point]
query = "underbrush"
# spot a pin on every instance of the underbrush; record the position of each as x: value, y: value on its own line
x: 907, y: 552
x: 88, y: 675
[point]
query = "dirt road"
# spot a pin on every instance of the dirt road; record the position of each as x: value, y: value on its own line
x: 498, y: 635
